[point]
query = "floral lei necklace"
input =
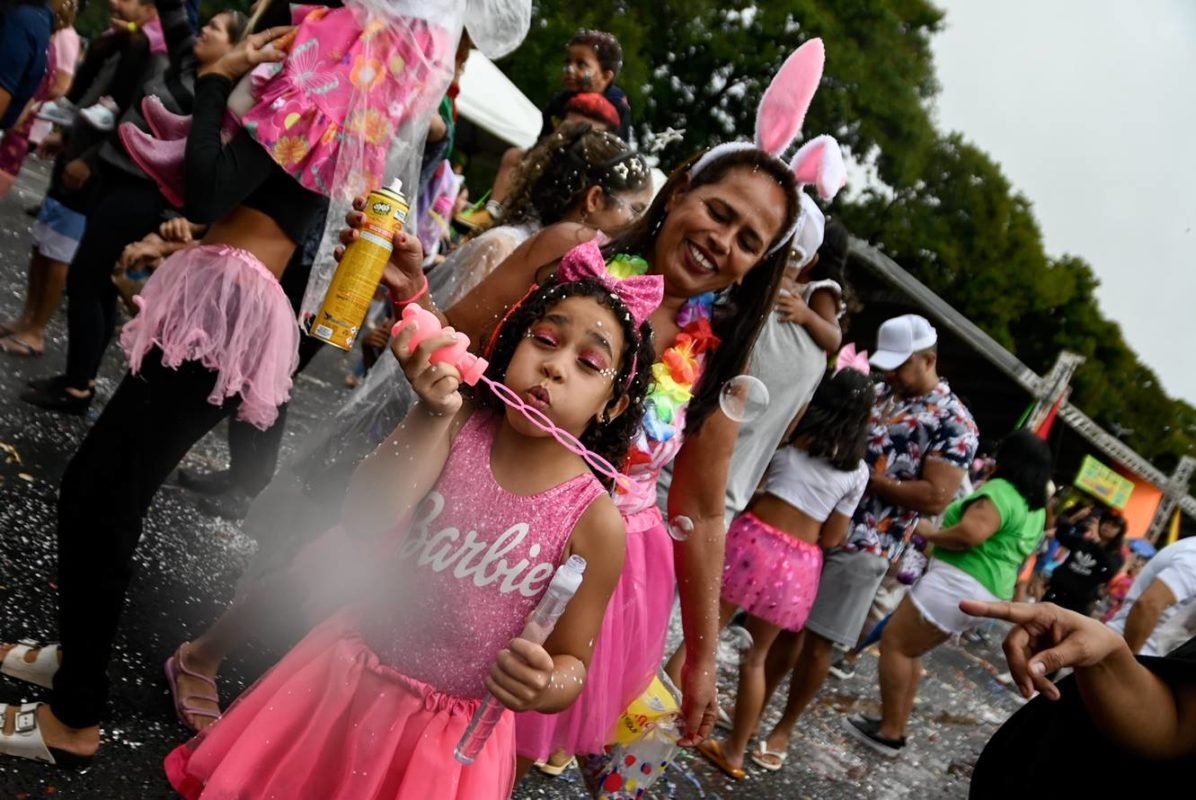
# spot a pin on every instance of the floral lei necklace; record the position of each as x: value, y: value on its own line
x: 677, y: 371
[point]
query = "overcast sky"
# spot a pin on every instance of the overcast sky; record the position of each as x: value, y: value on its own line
x: 1090, y: 108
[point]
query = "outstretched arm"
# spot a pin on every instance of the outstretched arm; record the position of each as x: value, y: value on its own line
x: 389, y: 483
x: 1127, y: 702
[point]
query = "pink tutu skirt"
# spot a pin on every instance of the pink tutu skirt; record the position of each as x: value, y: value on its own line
x: 770, y: 574
x: 331, y: 721
x: 343, y: 92
x: 220, y: 306
x: 627, y: 652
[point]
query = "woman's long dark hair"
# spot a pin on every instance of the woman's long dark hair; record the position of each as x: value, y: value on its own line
x: 741, y: 309
x: 610, y: 440
x: 1024, y: 460
x: 835, y: 426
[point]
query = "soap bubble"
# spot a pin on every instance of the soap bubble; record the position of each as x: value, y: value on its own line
x: 743, y: 398
x: 680, y: 527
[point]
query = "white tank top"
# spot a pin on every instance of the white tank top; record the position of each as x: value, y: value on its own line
x: 812, y: 485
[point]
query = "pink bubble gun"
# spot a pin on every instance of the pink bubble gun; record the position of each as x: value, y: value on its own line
x: 428, y: 325
x: 472, y: 368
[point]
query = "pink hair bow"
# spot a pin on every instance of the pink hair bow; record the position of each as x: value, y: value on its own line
x: 848, y: 358
x: 641, y: 294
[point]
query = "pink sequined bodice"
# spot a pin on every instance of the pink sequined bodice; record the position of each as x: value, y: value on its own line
x: 473, y: 565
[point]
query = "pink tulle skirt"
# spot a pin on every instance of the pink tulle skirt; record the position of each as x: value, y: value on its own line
x: 627, y: 652
x: 220, y: 306
x: 331, y: 721
x: 770, y: 574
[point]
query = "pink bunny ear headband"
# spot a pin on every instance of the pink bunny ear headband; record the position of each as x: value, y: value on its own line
x: 778, y: 123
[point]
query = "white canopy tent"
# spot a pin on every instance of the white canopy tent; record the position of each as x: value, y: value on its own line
x: 489, y: 100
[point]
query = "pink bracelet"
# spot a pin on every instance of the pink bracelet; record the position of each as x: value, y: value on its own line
x: 398, y: 304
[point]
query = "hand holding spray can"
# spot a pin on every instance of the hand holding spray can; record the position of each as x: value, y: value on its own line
x: 340, y: 318
x: 537, y: 630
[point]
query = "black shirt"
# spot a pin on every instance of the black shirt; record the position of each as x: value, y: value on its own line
x: 1089, y: 566
x: 1053, y: 750
x: 222, y: 177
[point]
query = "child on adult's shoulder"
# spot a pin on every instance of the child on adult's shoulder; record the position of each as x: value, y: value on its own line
x: 592, y: 63
x: 593, y: 60
x: 812, y: 292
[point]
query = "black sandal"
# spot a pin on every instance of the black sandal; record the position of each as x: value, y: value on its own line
x: 58, y: 399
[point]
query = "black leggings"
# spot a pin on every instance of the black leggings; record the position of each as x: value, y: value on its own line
x: 144, y: 431
x: 253, y: 453
x: 126, y: 209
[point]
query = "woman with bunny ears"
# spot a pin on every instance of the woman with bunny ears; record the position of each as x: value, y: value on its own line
x: 718, y: 234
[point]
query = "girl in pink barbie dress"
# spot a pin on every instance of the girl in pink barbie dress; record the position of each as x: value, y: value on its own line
x: 458, y: 521
x: 714, y: 316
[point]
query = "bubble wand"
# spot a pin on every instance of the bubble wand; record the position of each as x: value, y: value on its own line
x: 537, y: 630
x: 472, y: 368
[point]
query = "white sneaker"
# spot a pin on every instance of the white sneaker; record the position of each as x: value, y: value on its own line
x: 101, y: 116
x: 60, y: 112
x: 843, y: 669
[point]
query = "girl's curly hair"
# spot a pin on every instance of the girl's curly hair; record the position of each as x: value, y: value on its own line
x: 609, y: 440
x: 554, y: 176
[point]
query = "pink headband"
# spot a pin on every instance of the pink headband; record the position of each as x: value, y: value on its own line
x: 641, y: 294
x: 778, y: 123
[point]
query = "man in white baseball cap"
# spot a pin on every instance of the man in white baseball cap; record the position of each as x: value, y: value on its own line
x: 921, y: 441
x: 900, y: 338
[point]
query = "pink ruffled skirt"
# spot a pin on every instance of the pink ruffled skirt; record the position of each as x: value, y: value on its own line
x: 220, y: 306
x: 627, y: 652
x: 770, y: 574
x: 331, y: 721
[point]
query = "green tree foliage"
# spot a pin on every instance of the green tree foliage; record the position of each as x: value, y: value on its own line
x: 701, y: 67
x: 944, y: 210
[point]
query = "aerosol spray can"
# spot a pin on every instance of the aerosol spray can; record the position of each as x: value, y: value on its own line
x: 352, y: 289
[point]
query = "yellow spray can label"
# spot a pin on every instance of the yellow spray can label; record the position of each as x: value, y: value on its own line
x: 340, y: 318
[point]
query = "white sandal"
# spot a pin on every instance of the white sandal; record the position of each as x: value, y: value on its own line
x: 40, y: 671
x: 26, y: 740
x: 761, y: 752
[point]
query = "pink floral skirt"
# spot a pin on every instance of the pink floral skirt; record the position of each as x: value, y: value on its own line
x: 220, y: 306
x: 769, y: 573
x: 331, y: 111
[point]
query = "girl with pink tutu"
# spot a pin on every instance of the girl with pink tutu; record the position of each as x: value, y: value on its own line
x: 457, y: 521
x: 774, y: 548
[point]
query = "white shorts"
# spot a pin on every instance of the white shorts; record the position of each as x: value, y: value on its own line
x: 936, y: 595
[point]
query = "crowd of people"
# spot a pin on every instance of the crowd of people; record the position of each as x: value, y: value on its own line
x: 200, y: 174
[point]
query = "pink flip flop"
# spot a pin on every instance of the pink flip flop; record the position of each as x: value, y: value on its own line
x: 174, y: 668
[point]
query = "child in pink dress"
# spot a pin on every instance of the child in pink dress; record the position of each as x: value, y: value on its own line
x: 774, y: 549
x: 372, y: 702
